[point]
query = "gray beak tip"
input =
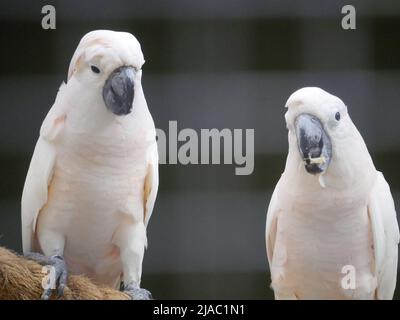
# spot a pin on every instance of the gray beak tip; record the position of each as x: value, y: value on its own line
x: 118, y: 91
x: 313, y: 142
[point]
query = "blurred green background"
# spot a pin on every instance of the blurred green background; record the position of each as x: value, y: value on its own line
x: 209, y: 64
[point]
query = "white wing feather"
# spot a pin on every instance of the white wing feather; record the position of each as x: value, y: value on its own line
x: 386, y: 237
x: 34, y: 196
x: 271, y: 225
x: 151, y: 183
x: 40, y: 172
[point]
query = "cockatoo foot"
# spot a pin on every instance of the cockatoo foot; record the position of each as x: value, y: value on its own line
x: 59, y: 272
x: 136, y: 293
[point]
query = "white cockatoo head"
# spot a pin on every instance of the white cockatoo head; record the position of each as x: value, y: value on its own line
x: 106, y: 67
x: 322, y: 135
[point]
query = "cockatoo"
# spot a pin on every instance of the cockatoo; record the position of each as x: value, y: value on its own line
x: 331, y: 230
x: 93, y: 178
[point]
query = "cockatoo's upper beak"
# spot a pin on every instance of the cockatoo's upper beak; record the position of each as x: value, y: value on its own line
x: 314, y: 144
x: 118, y: 91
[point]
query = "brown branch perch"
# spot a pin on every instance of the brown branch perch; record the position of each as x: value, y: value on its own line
x: 22, y: 279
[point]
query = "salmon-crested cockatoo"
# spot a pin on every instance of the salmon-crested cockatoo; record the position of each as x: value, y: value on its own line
x: 331, y: 230
x: 93, y: 178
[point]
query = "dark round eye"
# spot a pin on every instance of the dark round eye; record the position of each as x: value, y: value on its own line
x: 337, y: 116
x: 95, y: 69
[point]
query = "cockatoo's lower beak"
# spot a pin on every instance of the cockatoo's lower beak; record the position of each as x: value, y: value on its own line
x: 118, y: 91
x: 314, y: 144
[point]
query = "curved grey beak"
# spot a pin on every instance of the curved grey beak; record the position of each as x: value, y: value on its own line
x: 118, y: 91
x: 314, y: 144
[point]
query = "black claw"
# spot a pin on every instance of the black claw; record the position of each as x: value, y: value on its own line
x: 46, y: 294
x: 60, y: 290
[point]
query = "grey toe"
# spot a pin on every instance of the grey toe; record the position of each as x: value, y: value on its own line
x: 60, y: 270
x: 137, y: 293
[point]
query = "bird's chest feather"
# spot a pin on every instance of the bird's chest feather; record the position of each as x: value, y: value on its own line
x: 316, y: 240
x: 97, y: 184
x: 98, y: 176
